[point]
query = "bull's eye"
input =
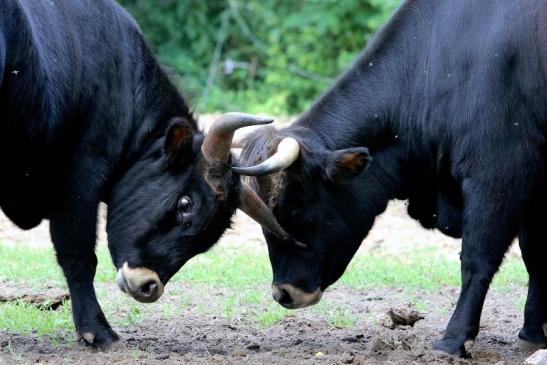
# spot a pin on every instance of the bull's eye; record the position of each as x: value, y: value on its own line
x: 185, y: 204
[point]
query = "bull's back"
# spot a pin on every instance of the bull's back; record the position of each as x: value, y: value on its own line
x: 58, y: 65
x: 60, y: 54
x: 542, y: 34
x: 483, y: 72
x: 2, y: 55
x: 480, y: 65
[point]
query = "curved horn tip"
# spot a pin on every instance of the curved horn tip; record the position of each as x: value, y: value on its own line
x: 261, y: 119
x: 266, y: 120
x: 255, y: 119
x: 254, y: 207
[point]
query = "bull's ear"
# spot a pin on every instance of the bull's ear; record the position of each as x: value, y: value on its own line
x: 345, y: 164
x: 178, y: 139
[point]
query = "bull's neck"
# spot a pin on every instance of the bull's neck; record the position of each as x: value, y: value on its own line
x: 365, y: 106
x: 155, y: 102
x: 349, y: 113
x: 369, y: 106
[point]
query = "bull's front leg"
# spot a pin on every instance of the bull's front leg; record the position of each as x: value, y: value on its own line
x: 532, y: 244
x: 73, y: 219
x: 487, y: 233
x: 89, y: 320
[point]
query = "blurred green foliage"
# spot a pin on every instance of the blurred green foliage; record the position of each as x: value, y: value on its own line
x: 271, y: 56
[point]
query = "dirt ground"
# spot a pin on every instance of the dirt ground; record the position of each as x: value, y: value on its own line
x: 196, y: 338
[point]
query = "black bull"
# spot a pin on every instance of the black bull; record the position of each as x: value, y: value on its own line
x: 88, y: 115
x: 450, y: 99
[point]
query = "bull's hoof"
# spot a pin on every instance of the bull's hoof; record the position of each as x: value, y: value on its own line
x: 104, y: 339
x: 531, y: 339
x: 452, y: 347
x: 528, y: 346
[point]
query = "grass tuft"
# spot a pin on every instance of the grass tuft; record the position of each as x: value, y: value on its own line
x: 25, y: 319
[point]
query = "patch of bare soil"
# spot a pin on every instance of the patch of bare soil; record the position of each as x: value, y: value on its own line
x: 51, y: 299
x: 300, y: 339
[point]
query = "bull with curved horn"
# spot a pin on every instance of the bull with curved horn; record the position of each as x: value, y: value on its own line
x: 312, y: 192
x: 197, y: 198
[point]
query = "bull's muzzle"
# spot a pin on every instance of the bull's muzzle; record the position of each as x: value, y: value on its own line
x: 292, y: 297
x: 141, y: 283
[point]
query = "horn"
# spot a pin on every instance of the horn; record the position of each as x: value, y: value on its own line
x: 254, y: 207
x: 288, y: 151
x: 218, y: 141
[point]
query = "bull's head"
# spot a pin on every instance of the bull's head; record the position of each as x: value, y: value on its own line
x: 314, y: 195
x: 175, y: 201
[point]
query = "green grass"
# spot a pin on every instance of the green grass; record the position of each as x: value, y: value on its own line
x: 426, y: 269
x: 24, y: 318
x: 270, y: 316
x: 336, y: 315
x: 235, y: 268
x: 236, y: 283
x: 37, y: 265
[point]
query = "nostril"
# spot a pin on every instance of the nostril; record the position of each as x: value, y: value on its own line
x: 149, y: 289
x: 141, y: 283
x: 284, y: 297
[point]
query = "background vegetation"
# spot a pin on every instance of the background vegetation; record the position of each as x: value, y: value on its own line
x: 272, y: 56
